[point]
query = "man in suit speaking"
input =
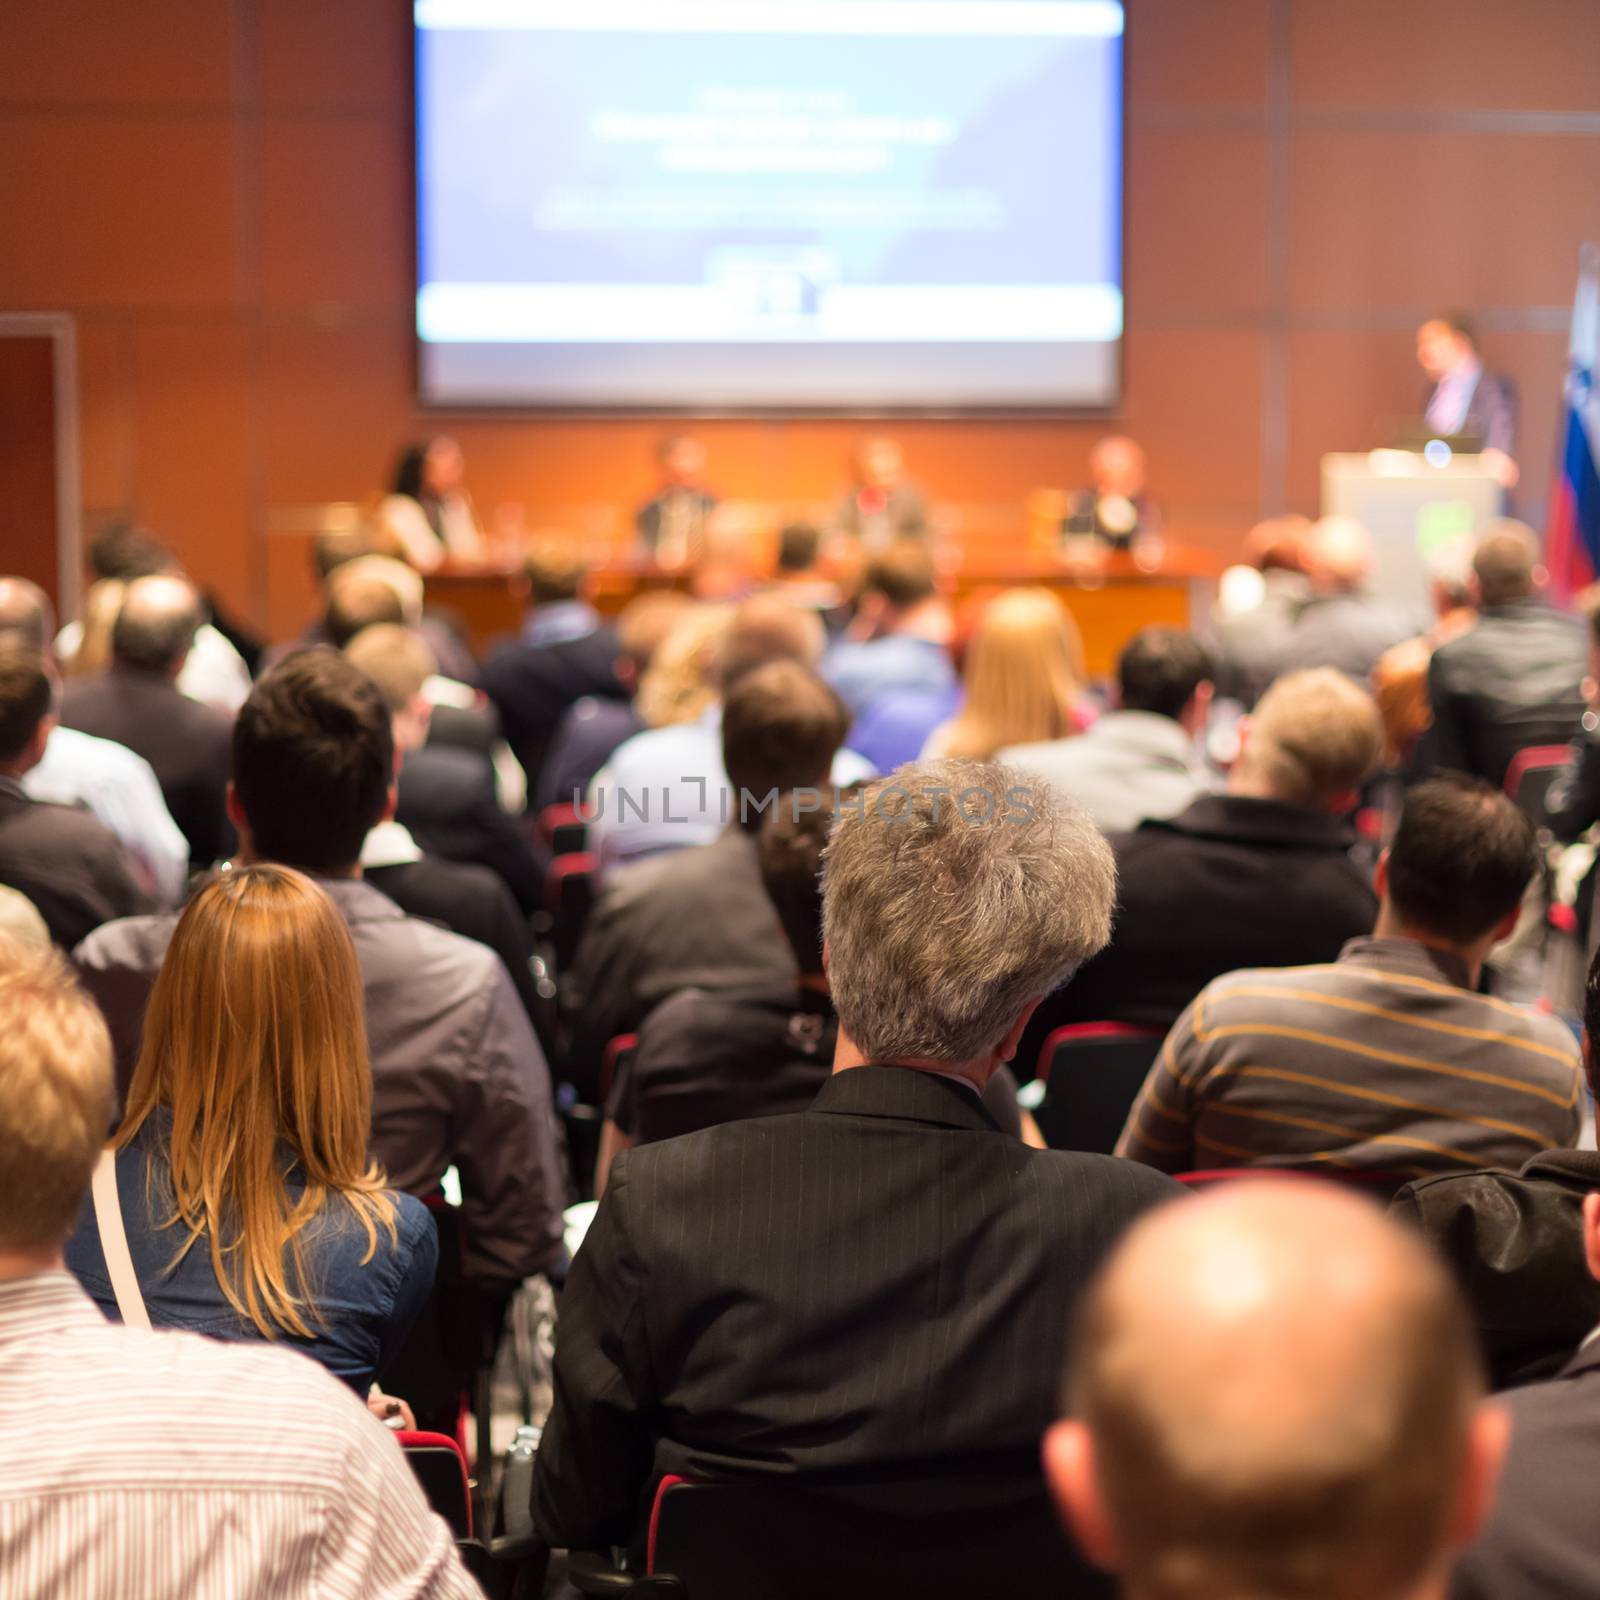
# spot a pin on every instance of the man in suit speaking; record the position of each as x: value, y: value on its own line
x: 1466, y: 397
x: 876, y: 1285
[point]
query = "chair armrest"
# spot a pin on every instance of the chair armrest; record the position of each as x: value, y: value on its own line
x: 507, y: 1569
x: 591, y: 1573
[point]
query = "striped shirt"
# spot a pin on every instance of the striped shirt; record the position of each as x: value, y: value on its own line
x: 144, y: 1466
x: 1383, y: 1061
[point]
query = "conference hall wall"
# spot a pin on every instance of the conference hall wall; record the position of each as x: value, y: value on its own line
x: 221, y: 195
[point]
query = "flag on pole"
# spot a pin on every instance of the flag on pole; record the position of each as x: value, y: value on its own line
x: 1572, y: 531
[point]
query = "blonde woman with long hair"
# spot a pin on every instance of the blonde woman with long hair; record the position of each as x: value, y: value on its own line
x: 251, y: 1207
x: 1023, y: 680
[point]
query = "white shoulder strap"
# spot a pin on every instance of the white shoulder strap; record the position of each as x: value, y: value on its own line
x: 114, y: 1243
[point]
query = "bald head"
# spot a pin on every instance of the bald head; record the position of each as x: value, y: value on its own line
x: 1276, y: 1391
x: 156, y: 625
x: 1504, y: 563
x: 26, y: 612
x: 1339, y: 554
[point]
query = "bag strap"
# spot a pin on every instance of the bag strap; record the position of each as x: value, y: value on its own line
x: 114, y: 1243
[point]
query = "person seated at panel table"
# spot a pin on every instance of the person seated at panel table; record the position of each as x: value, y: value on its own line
x: 1117, y: 507
x: 1466, y: 398
x: 1388, y: 1059
x: 1256, y: 605
x: 707, y: 1055
x: 427, y: 515
x: 883, y: 504
x: 1023, y: 680
x: 671, y: 524
x: 251, y: 1207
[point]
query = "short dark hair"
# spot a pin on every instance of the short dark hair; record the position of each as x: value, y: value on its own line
x: 124, y: 550
x: 155, y: 637
x: 798, y: 546
x: 1461, y: 858
x: 789, y: 851
x: 334, y: 546
x: 904, y: 574
x: 555, y: 570
x: 1503, y: 562
x: 313, y: 759
x: 781, y: 728
x: 26, y: 695
x: 359, y: 600
x: 1160, y: 669
x: 1460, y: 324
x: 763, y: 629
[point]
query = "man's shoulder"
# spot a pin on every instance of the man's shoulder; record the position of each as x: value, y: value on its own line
x: 137, y: 943
x: 404, y: 933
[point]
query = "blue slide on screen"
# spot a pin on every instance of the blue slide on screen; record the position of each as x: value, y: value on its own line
x: 745, y: 204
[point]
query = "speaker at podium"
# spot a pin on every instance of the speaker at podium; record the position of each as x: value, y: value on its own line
x: 1417, y: 505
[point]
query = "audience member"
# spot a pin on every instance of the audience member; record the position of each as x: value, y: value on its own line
x: 700, y: 917
x: 164, y: 1465
x: 672, y: 524
x: 136, y: 702
x: 427, y: 516
x: 887, y: 1259
x: 900, y: 637
x: 1389, y: 1059
x: 1260, y: 876
x: 563, y: 654
x: 706, y: 1056
x: 1400, y: 679
x: 1022, y: 679
x: 1543, y: 1541
x: 116, y: 786
x: 1274, y: 1393
x: 1343, y: 625
x: 1515, y: 1243
x: 669, y: 788
x: 1257, y: 604
x: 447, y: 799
x: 1516, y: 679
x: 458, y: 1078
x: 20, y: 921
x: 1141, y: 759
x: 591, y: 728
x: 216, y: 671
x: 249, y: 1205
x: 799, y: 576
x: 70, y: 866
x: 1572, y: 802
x: 883, y: 504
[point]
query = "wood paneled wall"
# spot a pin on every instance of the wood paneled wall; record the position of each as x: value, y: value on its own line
x: 220, y: 193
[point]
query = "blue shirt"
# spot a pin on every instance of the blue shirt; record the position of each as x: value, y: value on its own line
x: 864, y: 670
x: 560, y: 622
x: 366, y: 1310
x: 896, y: 726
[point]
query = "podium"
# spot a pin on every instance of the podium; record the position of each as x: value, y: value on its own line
x: 1417, y: 505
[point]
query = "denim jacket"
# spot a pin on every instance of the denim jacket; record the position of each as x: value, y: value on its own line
x: 366, y: 1309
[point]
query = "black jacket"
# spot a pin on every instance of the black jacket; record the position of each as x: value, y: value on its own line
x: 188, y: 745
x: 1491, y: 412
x: 879, y: 1284
x: 1543, y: 1537
x: 1513, y: 681
x: 1231, y: 882
x: 448, y: 802
x: 532, y: 686
x: 1514, y: 1241
x: 69, y: 865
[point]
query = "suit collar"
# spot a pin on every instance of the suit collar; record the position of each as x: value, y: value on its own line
x: 905, y: 1094
x: 1249, y: 819
x: 1587, y: 1359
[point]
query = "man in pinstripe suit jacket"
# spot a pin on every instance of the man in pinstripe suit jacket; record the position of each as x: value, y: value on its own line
x: 878, y: 1285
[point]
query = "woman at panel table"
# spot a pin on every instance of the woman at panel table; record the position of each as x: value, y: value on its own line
x: 250, y: 1206
x: 428, y: 514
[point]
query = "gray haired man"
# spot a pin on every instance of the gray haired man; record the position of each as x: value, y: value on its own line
x: 868, y: 1286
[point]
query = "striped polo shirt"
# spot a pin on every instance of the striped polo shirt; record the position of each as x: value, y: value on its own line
x: 1384, y: 1060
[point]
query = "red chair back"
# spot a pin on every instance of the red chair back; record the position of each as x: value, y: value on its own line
x: 1530, y: 776
x: 441, y: 1469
